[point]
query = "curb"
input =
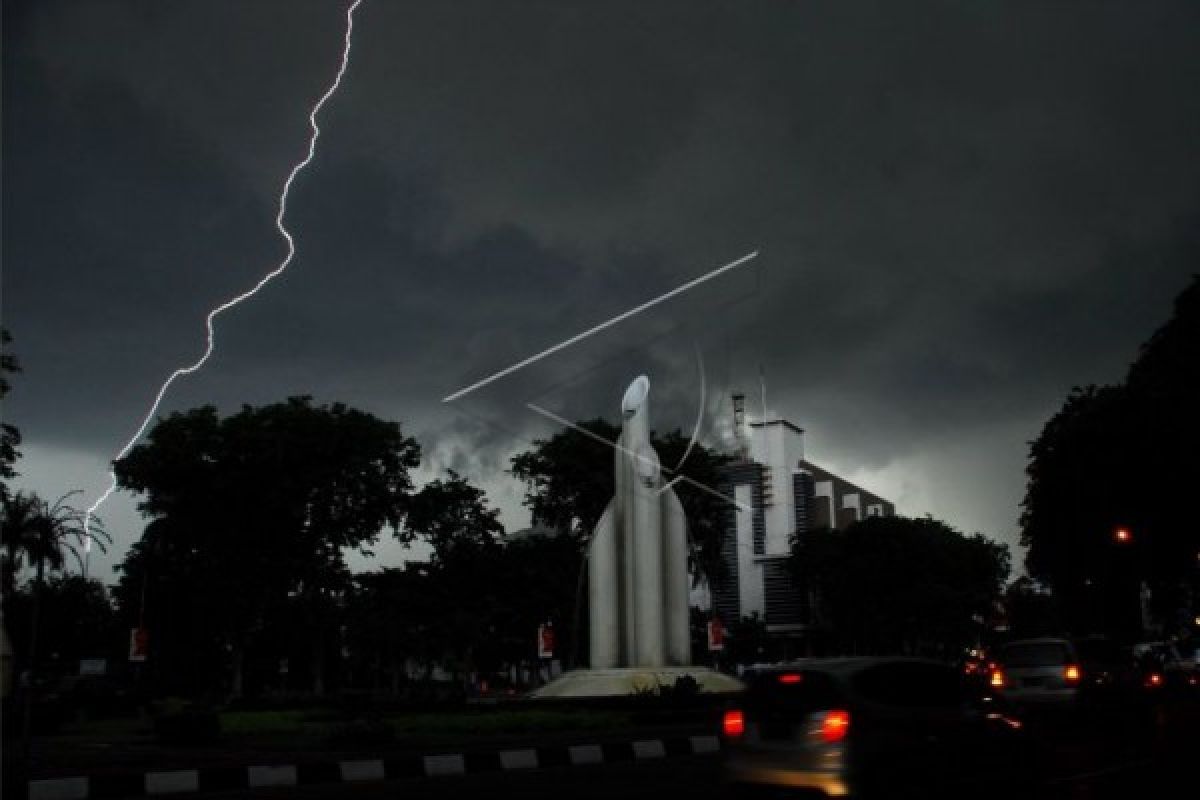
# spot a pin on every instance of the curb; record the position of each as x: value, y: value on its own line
x: 307, y: 773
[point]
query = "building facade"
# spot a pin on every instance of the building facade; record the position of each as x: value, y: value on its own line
x: 779, y: 495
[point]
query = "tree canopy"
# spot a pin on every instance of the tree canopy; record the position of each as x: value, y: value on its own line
x: 41, y: 535
x: 1122, y: 456
x: 898, y: 584
x: 249, y: 508
x: 569, y: 480
x: 449, y: 514
x: 10, y: 435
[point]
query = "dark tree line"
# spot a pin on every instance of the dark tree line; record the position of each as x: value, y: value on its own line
x: 240, y: 575
x: 240, y: 578
x: 900, y: 585
x: 35, y: 536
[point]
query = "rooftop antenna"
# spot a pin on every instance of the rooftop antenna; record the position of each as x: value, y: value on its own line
x: 762, y: 388
x: 739, y: 422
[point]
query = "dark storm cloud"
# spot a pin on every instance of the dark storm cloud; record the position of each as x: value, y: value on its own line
x: 963, y: 210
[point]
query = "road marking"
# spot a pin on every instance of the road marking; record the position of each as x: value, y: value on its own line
x: 58, y: 789
x: 649, y: 748
x: 446, y: 764
x: 586, y: 754
x: 181, y: 780
x: 271, y: 776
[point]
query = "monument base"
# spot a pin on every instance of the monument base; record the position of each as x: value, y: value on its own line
x: 634, y: 680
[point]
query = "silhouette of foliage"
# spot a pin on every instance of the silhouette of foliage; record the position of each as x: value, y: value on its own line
x: 1122, y: 456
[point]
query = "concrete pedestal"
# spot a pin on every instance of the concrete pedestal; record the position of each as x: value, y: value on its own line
x: 623, y: 681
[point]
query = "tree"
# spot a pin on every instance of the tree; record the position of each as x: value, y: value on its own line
x: 247, y: 509
x: 452, y: 513
x: 10, y: 436
x: 898, y: 584
x: 77, y: 621
x: 393, y: 618
x: 569, y: 481
x: 1122, y: 456
x: 1077, y: 493
x: 41, y: 535
x: 569, y: 477
x: 475, y: 606
x: 1030, y: 610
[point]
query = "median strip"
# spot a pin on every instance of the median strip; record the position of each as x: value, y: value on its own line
x: 438, y: 765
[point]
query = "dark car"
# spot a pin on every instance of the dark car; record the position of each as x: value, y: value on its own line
x: 1109, y: 670
x: 873, y: 727
x: 1043, y: 672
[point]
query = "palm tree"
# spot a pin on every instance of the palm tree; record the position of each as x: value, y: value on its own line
x: 38, y: 533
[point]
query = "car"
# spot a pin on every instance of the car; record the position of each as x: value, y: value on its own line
x: 1111, y: 670
x: 1178, y: 662
x: 872, y: 726
x: 1044, y: 672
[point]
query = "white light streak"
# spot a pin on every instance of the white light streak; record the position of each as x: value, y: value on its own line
x: 621, y: 448
x: 212, y: 315
x: 602, y: 326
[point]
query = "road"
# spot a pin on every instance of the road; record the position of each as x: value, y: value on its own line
x: 1104, y: 756
x: 1085, y: 767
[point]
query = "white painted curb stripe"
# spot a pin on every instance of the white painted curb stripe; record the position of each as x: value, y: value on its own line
x: 649, y: 748
x: 518, y: 759
x: 188, y: 780
x: 586, y: 754
x: 370, y: 770
x: 271, y: 776
x: 447, y: 764
x: 182, y: 780
x: 58, y: 789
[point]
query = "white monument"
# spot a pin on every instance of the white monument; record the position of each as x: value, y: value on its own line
x: 638, y: 577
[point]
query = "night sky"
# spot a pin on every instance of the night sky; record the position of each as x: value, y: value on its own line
x: 962, y: 210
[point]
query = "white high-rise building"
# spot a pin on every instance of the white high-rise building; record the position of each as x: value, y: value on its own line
x: 780, y: 494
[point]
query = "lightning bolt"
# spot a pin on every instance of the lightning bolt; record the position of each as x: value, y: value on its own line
x: 212, y: 315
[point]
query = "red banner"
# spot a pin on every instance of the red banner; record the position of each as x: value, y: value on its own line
x: 546, y: 641
x: 139, y: 644
x: 716, y: 634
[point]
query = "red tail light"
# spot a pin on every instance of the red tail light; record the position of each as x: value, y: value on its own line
x: 733, y: 724
x: 997, y: 679
x: 834, y: 726
x: 1072, y: 673
x: 1154, y: 680
x: 790, y: 678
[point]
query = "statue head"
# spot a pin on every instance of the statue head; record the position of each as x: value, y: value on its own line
x: 635, y: 396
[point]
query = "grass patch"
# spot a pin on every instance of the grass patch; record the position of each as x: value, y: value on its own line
x: 318, y: 726
x: 500, y: 721
x: 318, y: 723
x: 114, y: 728
x: 253, y: 723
